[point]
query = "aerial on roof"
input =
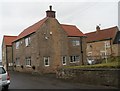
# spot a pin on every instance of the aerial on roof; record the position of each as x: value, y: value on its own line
x: 102, y: 34
x: 8, y: 39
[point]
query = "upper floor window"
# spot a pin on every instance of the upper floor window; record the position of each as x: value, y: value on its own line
x: 74, y: 59
x: 28, y: 61
x: 64, y: 60
x: 107, y: 44
x: 75, y: 42
x: 27, y: 41
x: 17, y: 44
x: 46, y: 61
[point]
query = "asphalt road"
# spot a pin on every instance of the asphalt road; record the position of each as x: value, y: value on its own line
x: 31, y: 81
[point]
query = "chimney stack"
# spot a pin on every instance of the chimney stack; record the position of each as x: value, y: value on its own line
x: 50, y: 13
x: 97, y: 28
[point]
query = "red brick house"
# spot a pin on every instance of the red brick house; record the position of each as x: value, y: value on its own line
x: 103, y: 43
x: 7, y: 61
x: 47, y: 45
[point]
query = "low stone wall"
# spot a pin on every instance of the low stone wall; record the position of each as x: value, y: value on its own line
x: 95, y: 76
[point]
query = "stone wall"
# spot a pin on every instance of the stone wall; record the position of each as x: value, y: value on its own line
x: 95, y: 76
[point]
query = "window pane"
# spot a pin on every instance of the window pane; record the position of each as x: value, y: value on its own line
x: 77, y: 43
x: 46, y: 61
x: 64, y: 60
x: 26, y: 41
x: 17, y: 45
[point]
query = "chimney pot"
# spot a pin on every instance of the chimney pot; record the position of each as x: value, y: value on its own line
x: 50, y: 13
x: 97, y: 28
x: 50, y: 8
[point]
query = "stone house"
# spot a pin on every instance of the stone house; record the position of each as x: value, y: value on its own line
x: 48, y: 45
x: 7, y: 61
x: 103, y: 43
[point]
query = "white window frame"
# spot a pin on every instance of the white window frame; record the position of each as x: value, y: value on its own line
x: 107, y: 44
x: 17, y: 44
x: 74, y: 59
x: 28, y: 61
x: 75, y: 42
x: 64, y: 60
x: 27, y: 41
x: 103, y: 56
x: 48, y: 63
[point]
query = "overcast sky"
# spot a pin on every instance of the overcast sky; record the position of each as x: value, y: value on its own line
x: 16, y: 15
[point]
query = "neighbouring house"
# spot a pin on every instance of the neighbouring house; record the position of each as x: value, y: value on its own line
x: 7, y: 61
x: 104, y: 43
x: 48, y: 45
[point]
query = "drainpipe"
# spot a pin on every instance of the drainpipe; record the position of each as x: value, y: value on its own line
x: 81, y: 47
x: 12, y: 59
x: 6, y: 59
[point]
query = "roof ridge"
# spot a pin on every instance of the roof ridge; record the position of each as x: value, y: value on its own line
x: 33, y: 25
x: 67, y: 25
x: 109, y: 28
x: 102, y: 30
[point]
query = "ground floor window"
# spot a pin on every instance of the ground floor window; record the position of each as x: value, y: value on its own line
x: 28, y: 61
x: 46, y: 61
x: 64, y: 60
x: 74, y: 59
x: 17, y: 61
x: 103, y: 54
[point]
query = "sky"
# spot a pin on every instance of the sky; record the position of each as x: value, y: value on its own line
x: 17, y: 15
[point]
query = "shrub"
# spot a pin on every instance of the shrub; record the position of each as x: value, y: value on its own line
x: 22, y: 66
x: 33, y: 67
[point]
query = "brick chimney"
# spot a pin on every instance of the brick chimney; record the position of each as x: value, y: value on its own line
x: 50, y: 13
x: 97, y: 28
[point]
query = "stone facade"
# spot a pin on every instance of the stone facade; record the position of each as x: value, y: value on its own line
x: 47, y: 49
x: 7, y: 56
x: 94, y: 76
x: 103, y: 47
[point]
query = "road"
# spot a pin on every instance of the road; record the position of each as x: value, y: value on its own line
x: 31, y: 81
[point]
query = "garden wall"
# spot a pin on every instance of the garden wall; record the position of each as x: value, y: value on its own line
x: 95, y: 76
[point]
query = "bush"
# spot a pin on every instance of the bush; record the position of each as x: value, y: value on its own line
x: 22, y: 66
x: 33, y: 67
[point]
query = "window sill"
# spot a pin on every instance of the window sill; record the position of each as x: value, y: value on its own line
x: 64, y: 64
x: 28, y: 66
x: 46, y: 65
x: 18, y: 65
x: 73, y: 62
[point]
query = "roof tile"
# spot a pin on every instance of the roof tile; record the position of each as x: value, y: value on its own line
x: 9, y: 39
x: 102, y: 34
